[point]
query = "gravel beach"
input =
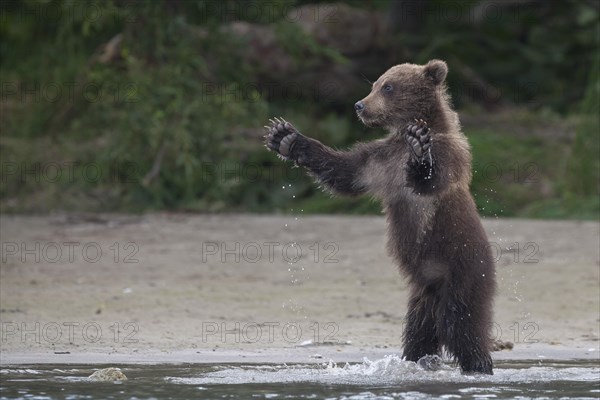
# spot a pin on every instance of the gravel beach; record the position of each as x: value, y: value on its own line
x: 248, y: 288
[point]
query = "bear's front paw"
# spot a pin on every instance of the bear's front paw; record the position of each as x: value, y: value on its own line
x: 281, y: 137
x: 418, y: 137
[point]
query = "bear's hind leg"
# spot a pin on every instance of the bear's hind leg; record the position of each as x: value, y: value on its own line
x: 465, y: 335
x: 420, y: 336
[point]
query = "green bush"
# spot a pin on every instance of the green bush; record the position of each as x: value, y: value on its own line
x: 165, y: 125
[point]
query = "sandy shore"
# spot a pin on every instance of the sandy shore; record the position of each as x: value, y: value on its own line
x: 242, y: 288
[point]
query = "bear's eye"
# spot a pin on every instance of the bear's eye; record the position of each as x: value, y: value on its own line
x: 387, y: 88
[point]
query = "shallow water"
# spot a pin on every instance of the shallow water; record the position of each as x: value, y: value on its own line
x: 387, y: 378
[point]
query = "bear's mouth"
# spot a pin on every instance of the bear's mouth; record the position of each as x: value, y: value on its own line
x: 368, y: 119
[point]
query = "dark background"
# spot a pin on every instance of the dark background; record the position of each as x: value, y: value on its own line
x: 129, y: 106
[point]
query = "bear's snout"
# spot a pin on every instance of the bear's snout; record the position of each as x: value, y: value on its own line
x: 359, y: 106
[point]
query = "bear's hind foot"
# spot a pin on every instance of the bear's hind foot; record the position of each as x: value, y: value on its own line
x: 477, y: 367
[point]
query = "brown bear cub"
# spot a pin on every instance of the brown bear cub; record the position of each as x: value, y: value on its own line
x: 421, y: 173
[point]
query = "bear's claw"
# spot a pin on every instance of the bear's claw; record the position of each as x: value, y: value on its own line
x: 417, y: 135
x: 281, y: 136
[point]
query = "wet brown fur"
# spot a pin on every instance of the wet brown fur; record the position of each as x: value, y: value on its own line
x: 434, y: 231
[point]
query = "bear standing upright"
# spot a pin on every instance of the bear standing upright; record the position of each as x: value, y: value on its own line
x: 421, y: 173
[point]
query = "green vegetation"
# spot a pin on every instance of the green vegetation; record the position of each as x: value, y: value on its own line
x: 510, y: 174
x: 171, y: 122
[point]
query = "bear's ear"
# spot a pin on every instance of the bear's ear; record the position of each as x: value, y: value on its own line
x: 436, y: 70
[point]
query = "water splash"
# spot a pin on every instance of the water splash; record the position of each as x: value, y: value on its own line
x: 389, y: 370
x: 387, y: 378
x: 297, y: 272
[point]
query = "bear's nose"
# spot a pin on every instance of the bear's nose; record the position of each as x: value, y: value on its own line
x: 359, y: 106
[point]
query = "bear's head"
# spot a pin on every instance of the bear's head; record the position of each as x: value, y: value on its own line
x: 402, y: 93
